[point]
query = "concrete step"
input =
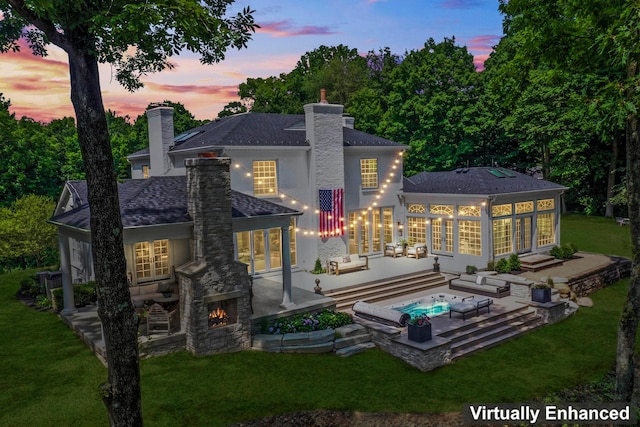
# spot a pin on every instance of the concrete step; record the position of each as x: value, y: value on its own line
x: 492, y: 333
x: 385, y: 283
x: 351, y: 330
x: 541, y: 265
x: 355, y: 349
x: 340, y: 343
x: 372, y: 297
x: 385, y: 289
x: 495, y: 320
x: 512, y: 334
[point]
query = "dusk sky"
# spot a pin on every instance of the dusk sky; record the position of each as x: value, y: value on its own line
x: 39, y: 87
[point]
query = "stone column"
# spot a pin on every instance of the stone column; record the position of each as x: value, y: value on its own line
x: 65, y: 268
x: 287, y: 290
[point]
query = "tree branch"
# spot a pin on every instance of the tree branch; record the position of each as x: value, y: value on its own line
x: 44, y: 25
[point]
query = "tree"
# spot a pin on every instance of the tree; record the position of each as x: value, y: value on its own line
x: 338, y: 69
x: 136, y: 39
x: 25, y: 232
x: 576, y: 36
x: 232, y: 108
x: 431, y: 106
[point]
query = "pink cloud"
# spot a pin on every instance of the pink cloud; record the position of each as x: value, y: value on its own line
x: 284, y: 28
x: 481, y: 47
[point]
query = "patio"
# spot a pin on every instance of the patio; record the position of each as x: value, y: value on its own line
x: 267, y: 299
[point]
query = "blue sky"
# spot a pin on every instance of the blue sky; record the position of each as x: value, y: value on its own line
x: 39, y: 88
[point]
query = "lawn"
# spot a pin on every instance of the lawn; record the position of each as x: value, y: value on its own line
x: 49, y: 377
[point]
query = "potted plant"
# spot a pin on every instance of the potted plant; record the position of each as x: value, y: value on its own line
x: 541, y: 292
x: 419, y: 328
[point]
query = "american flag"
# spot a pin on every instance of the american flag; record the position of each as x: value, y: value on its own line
x: 331, y: 212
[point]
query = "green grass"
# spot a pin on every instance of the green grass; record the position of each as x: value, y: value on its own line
x: 596, y: 234
x: 49, y: 377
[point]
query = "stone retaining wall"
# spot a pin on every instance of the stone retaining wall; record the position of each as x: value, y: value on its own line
x: 591, y: 281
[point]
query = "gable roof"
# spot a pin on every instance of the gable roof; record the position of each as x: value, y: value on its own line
x: 160, y: 200
x: 261, y: 130
x: 478, y: 180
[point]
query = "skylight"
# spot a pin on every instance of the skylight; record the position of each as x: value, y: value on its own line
x: 497, y: 173
x: 184, y: 136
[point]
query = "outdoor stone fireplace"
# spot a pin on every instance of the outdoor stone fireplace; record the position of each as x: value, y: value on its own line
x: 215, y: 311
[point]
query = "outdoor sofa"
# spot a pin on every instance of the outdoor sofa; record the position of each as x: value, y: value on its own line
x: 346, y: 263
x: 470, y: 305
x: 481, y: 285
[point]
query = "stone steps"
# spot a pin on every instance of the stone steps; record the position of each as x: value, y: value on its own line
x: 385, y: 289
x: 538, y: 262
x: 487, y: 333
x: 351, y: 339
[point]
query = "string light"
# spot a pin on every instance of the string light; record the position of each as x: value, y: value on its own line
x: 285, y: 198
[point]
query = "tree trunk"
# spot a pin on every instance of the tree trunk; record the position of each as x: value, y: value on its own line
x: 611, y: 177
x: 121, y: 393
x: 628, y: 325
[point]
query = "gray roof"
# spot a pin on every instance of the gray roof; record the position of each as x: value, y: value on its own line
x: 263, y: 130
x: 160, y: 200
x: 479, y: 180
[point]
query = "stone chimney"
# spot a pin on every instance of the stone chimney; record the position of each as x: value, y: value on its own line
x: 209, y: 204
x: 160, y: 140
x: 215, y: 301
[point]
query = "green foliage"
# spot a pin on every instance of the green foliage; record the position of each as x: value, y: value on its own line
x: 42, y: 302
x: 29, y: 286
x: 471, y: 269
x: 25, y: 234
x: 317, y: 268
x: 307, y: 322
x: 514, y: 262
x: 83, y: 294
x: 566, y: 251
x: 502, y: 266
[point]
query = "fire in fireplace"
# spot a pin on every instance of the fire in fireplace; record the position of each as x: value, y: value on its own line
x: 218, y: 317
x: 222, y: 313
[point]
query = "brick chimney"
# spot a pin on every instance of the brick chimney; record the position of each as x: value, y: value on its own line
x: 324, y: 131
x: 161, y: 136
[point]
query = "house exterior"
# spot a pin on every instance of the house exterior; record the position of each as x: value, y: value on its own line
x: 158, y: 229
x: 307, y: 187
x: 473, y: 216
x: 345, y: 182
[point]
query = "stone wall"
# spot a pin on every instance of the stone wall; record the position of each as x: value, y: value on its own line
x: 213, y: 275
x: 591, y: 282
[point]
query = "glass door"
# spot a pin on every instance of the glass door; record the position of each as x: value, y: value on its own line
x: 259, y: 256
x: 523, y: 234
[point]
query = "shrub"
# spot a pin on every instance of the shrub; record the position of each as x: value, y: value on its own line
x: 514, y: 262
x: 317, y: 268
x: 43, y: 302
x: 563, y: 252
x: 83, y: 294
x: 502, y: 266
x: 556, y: 252
x: 491, y: 266
x: 29, y: 286
x: 471, y: 269
x: 307, y: 322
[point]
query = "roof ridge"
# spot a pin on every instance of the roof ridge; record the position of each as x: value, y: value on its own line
x: 144, y: 184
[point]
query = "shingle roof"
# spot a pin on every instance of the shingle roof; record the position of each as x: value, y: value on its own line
x: 264, y: 130
x: 478, y: 180
x: 161, y: 200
